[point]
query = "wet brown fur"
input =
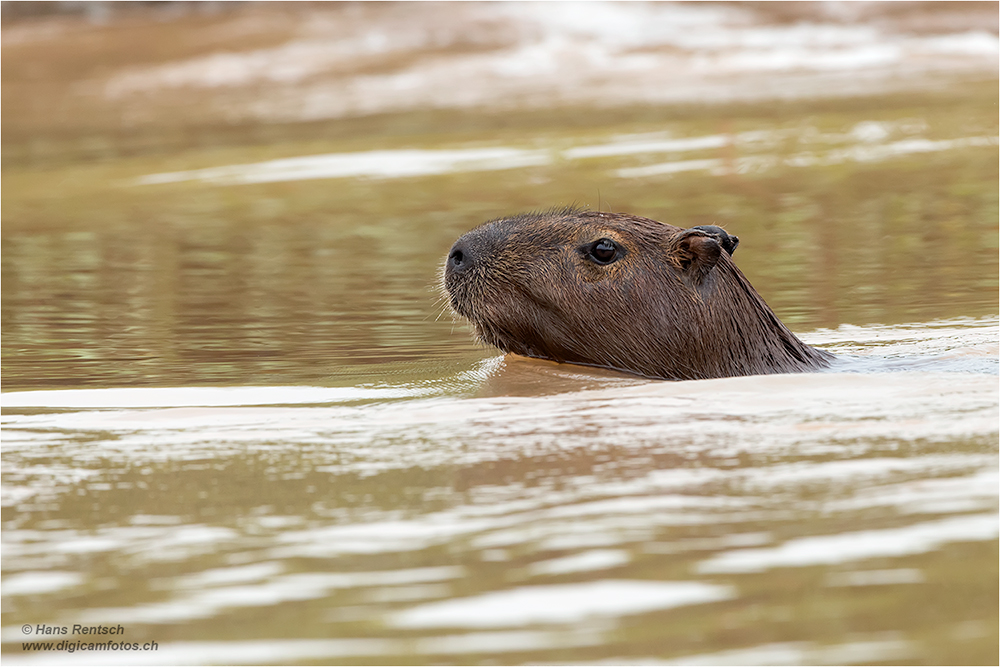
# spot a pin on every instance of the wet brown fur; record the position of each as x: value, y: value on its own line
x: 674, y: 306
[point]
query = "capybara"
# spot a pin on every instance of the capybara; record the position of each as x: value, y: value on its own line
x: 619, y: 291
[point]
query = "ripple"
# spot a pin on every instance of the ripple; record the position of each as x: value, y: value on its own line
x: 569, y: 603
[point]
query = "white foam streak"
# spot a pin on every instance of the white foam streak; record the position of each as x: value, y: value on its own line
x: 597, y: 559
x: 370, y: 164
x: 863, y: 652
x: 569, y: 603
x: 758, y: 163
x: 35, y: 583
x: 845, y: 547
x: 407, y: 163
x: 636, y: 146
x: 209, y: 599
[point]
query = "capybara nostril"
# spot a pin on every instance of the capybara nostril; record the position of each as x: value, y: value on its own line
x: 459, y: 259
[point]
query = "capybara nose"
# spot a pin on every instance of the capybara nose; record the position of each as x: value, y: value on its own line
x: 460, y: 258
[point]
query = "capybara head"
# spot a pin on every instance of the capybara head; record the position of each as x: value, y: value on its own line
x: 618, y: 291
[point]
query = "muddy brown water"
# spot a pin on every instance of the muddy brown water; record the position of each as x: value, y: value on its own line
x: 238, y: 421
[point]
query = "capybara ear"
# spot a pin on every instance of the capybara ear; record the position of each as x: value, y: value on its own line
x: 695, y: 253
x: 726, y: 240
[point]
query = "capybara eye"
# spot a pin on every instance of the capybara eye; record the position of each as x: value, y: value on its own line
x: 603, y: 251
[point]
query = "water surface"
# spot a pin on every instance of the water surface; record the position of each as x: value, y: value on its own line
x: 238, y: 420
x: 481, y: 517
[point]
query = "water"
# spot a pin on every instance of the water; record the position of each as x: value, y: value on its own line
x: 239, y: 422
x: 482, y: 517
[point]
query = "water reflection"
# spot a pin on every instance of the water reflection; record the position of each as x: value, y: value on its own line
x: 868, y: 139
x: 431, y: 524
x: 316, y: 301
x: 846, y: 547
x: 374, y: 164
x: 568, y: 603
x: 145, y: 305
x: 237, y: 420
